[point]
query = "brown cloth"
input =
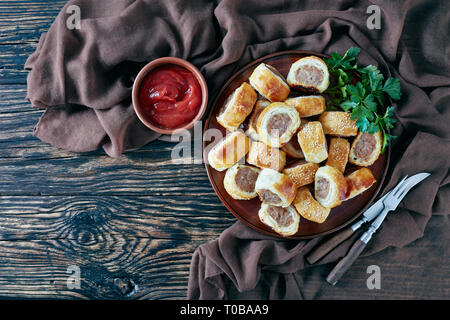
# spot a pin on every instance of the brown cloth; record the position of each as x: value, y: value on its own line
x: 413, y: 44
x: 84, y: 78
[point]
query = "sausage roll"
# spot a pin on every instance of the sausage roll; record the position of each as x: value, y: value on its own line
x: 338, y: 123
x: 237, y: 107
x: 358, y: 182
x: 275, y: 188
x: 283, y: 221
x: 313, y: 142
x: 277, y: 124
x: 301, y: 172
x: 338, y: 153
x: 365, y: 149
x: 269, y: 83
x: 292, y: 149
x: 307, y: 106
x: 330, y: 187
x: 257, y: 109
x: 309, y: 74
x: 228, y: 151
x: 240, y: 181
x: 308, y: 207
x: 263, y: 156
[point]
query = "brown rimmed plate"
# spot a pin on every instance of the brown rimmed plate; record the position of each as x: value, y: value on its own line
x: 247, y: 210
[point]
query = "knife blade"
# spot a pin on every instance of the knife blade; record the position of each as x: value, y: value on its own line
x: 390, y: 203
x: 368, y: 215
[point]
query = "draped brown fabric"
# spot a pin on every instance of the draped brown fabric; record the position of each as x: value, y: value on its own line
x: 83, y: 77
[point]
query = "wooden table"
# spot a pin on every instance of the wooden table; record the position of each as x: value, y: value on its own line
x: 126, y: 222
x: 129, y: 224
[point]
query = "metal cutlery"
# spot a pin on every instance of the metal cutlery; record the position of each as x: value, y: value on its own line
x: 322, y: 250
x: 389, y: 202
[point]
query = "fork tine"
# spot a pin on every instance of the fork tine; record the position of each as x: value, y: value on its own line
x: 397, y: 187
x: 405, y: 187
x: 391, y: 197
x: 410, y: 183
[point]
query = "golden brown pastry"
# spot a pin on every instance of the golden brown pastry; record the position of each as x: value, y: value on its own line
x: 260, y: 105
x: 307, y: 106
x: 292, y: 148
x: 309, y: 74
x: 275, y: 188
x: 366, y: 149
x: 338, y: 123
x: 330, y: 187
x: 358, y: 182
x: 301, y: 172
x: 284, y: 221
x: 237, y: 107
x: 269, y: 83
x: 240, y: 181
x: 228, y: 151
x: 263, y: 156
x: 338, y: 153
x: 308, y: 207
x: 313, y: 142
x: 277, y: 124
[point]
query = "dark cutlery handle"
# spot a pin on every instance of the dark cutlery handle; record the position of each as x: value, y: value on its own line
x: 329, y: 245
x: 345, y: 263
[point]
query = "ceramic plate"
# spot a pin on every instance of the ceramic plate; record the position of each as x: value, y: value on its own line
x: 247, y: 210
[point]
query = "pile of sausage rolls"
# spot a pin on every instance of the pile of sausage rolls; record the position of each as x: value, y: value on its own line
x: 283, y: 147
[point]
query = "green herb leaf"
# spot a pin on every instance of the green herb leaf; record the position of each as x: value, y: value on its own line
x: 372, y: 78
x: 369, y: 102
x: 362, y: 99
x: 386, y: 140
x: 343, y: 62
x: 348, y: 105
x: 392, y: 88
x: 363, y: 124
x: 351, y: 54
x: 388, y: 120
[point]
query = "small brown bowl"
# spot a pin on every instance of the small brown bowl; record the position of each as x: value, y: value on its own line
x: 158, y: 63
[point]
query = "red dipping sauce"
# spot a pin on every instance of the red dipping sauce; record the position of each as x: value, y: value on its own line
x: 170, y: 96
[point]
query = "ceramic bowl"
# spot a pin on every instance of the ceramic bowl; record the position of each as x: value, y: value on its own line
x: 158, y: 63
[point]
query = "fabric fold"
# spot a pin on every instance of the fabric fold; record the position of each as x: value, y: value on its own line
x: 249, y: 259
x: 83, y: 78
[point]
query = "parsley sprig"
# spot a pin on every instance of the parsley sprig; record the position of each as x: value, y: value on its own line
x: 363, y: 98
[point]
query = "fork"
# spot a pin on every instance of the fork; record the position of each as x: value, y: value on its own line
x: 390, y: 203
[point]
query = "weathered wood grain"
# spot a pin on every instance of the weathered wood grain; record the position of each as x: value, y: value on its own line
x: 117, y: 267
x: 21, y: 25
x: 92, y: 218
x: 24, y: 21
x: 96, y: 203
x: 131, y: 224
x: 29, y: 166
x: 12, y: 61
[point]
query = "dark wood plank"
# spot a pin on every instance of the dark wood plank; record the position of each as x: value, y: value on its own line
x: 83, y: 218
x: 131, y: 224
x: 12, y: 62
x: 29, y: 166
x: 140, y: 198
x: 21, y: 25
x: 115, y: 267
x: 24, y: 21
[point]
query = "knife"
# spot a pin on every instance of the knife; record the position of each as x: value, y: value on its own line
x: 346, y: 233
x: 390, y: 203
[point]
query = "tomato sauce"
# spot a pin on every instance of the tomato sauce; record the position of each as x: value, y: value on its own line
x: 170, y: 96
